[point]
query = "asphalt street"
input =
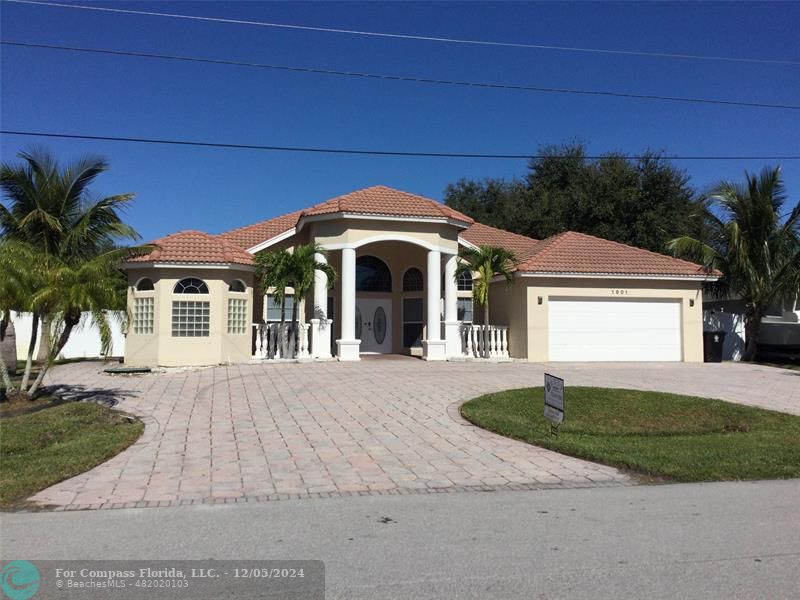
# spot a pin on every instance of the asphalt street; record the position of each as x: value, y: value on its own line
x: 721, y: 540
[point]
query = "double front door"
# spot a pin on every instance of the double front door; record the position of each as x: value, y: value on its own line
x: 374, y: 325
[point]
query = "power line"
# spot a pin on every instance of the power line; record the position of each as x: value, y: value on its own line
x: 318, y: 150
x: 402, y: 78
x: 446, y: 40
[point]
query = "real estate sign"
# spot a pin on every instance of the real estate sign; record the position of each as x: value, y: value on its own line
x: 553, y: 398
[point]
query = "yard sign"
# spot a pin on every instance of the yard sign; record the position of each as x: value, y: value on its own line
x: 553, y: 398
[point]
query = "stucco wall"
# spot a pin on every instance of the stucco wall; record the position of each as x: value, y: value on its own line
x: 528, y: 320
x: 162, y: 349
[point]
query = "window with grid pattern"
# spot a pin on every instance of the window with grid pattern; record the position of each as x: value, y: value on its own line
x: 190, y: 318
x: 143, y: 309
x: 465, y: 282
x: 237, y: 316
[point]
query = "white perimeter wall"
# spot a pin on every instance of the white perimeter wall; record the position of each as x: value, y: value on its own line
x: 84, y: 342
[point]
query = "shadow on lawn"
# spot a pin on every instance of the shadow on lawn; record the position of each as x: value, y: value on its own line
x: 63, y: 394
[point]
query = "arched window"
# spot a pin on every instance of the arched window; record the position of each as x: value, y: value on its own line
x: 145, y: 284
x: 372, y: 275
x: 412, y: 280
x: 237, y: 285
x: 465, y: 282
x: 191, y: 285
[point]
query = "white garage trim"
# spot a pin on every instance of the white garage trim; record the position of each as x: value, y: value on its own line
x: 585, y: 329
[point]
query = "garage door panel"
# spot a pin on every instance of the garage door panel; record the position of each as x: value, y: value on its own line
x: 614, y: 330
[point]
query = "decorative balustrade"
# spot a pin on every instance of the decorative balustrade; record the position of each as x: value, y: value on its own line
x: 273, y: 341
x: 484, y: 341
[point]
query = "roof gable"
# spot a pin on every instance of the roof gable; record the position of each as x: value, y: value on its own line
x: 578, y: 253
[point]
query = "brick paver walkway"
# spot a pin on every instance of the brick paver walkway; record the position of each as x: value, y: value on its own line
x: 269, y: 431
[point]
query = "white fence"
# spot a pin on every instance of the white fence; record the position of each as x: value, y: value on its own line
x: 84, y: 342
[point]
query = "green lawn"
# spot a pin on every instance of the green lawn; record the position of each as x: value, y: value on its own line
x: 48, y: 446
x: 666, y: 436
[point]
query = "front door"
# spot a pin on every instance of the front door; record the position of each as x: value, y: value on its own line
x: 374, y: 325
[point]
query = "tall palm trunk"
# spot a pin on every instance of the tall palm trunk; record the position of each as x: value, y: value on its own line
x: 282, y: 329
x: 486, y: 329
x: 71, y: 319
x: 293, y: 344
x: 45, y: 341
x: 752, y: 325
x: 31, y: 346
x: 8, y: 352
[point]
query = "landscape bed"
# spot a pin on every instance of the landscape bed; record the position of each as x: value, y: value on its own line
x: 666, y: 436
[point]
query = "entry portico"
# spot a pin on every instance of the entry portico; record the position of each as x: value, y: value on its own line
x: 396, y: 245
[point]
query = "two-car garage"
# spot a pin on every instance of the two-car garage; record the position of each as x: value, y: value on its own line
x: 597, y: 329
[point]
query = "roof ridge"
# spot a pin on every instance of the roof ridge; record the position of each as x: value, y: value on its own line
x: 262, y: 222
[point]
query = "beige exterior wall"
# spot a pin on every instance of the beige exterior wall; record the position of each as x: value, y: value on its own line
x: 519, y: 308
x: 162, y: 349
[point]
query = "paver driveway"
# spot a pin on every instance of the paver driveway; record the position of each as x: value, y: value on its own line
x: 379, y: 426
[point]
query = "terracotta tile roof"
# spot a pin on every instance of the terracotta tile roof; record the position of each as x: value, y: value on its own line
x: 484, y: 235
x: 195, y: 247
x: 252, y: 235
x: 578, y: 253
x: 382, y: 200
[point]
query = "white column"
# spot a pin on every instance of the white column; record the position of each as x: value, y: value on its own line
x: 348, y: 345
x: 433, y: 346
x: 320, y: 325
x: 451, y: 323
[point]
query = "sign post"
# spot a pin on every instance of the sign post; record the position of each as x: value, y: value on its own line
x: 553, y: 401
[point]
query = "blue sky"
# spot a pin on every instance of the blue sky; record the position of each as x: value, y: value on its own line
x: 214, y: 190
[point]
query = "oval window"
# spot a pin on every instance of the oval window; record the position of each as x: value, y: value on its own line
x: 379, y: 325
x: 358, y: 323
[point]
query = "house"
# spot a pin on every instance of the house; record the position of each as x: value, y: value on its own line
x: 194, y: 299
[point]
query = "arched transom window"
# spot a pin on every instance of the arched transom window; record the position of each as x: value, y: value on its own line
x: 412, y: 280
x: 465, y: 282
x: 237, y: 285
x: 191, y: 285
x: 372, y: 275
x: 145, y: 284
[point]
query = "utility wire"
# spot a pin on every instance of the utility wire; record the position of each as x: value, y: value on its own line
x: 317, y: 150
x: 403, y: 78
x: 412, y: 37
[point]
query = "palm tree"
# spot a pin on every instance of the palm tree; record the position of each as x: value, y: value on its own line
x: 488, y: 262
x: 753, y: 242
x: 281, y: 269
x: 273, y: 269
x: 69, y: 290
x: 304, y: 263
x: 51, y: 208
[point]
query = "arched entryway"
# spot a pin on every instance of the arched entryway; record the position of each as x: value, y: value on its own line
x: 374, y: 305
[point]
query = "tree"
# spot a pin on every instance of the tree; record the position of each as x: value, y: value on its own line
x: 51, y: 209
x: 304, y: 263
x: 70, y: 289
x: 273, y: 269
x: 488, y: 262
x: 280, y: 269
x: 752, y: 243
x: 643, y: 202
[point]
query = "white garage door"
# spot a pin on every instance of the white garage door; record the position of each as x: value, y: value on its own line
x: 614, y: 330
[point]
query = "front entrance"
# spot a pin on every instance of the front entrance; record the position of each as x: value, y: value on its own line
x: 374, y: 325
